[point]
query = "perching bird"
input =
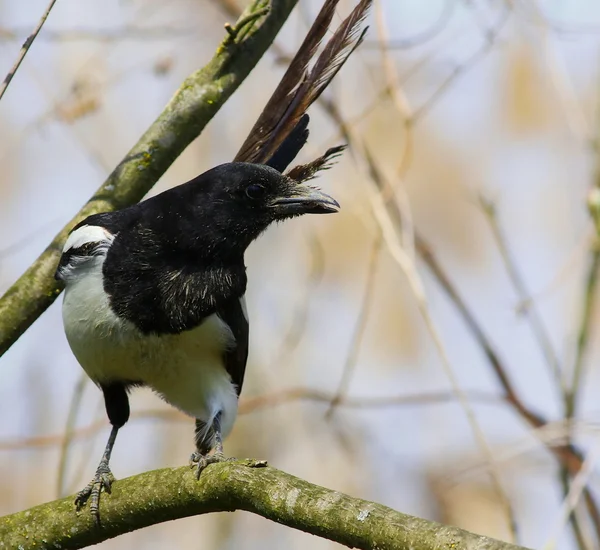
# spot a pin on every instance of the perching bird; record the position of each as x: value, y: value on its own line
x: 154, y: 293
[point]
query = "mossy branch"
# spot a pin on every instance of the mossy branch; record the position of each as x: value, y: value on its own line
x: 183, y: 119
x: 163, y: 495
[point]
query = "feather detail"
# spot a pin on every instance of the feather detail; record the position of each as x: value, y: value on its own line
x: 291, y: 145
x: 305, y: 172
x: 281, y: 129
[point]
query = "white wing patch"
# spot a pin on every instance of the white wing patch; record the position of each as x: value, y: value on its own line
x: 88, y: 234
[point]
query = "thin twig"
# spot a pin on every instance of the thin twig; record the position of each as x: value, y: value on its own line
x: 573, y: 496
x: 421, y: 38
x: 585, y: 329
x: 258, y: 403
x: 472, y: 61
x: 359, y: 329
x: 74, y: 407
x: 133, y: 33
x: 293, y: 336
x: 537, y: 325
x: 416, y: 285
x: 567, y: 454
x: 25, y: 48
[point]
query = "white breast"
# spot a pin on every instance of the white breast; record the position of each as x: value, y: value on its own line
x: 184, y: 369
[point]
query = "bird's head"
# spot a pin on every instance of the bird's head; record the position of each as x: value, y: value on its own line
x: 235, y: 202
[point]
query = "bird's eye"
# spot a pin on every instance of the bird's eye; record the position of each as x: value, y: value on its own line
x: 255, y: 191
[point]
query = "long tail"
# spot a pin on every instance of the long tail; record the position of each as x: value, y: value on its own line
x: 282, y: 128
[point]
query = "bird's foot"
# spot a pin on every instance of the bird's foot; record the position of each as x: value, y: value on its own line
x: 200, y: 461
x: 102, y: 480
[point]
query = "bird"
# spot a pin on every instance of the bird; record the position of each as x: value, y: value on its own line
x: 155, y: 292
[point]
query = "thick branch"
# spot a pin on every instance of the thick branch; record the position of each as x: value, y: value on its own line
x: 186, y: 115
x: 163, y: 495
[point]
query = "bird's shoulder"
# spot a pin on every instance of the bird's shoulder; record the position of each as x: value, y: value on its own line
x: 92, y: 237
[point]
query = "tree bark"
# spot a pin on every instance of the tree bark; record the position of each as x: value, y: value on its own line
x: 163, y: 495
x: 195, y: 103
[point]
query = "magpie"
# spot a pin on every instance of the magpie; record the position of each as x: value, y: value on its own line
x: 154, y: 293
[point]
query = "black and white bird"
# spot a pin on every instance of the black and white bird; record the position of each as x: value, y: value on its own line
x: 154, y: 293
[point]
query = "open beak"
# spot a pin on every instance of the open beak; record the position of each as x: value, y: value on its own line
x: 304, y: 200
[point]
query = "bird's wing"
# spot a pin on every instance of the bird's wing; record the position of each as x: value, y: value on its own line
x: 233, y: 313
x: 281, y: 129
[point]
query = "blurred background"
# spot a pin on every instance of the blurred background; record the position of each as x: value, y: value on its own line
x: 432, y: 347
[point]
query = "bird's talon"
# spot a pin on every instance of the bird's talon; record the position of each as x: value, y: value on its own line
x: 201, y: 461
x: 91, y: 492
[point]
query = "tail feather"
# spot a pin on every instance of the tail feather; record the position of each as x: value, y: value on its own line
x: 281, y: 129
x: 289, y: 149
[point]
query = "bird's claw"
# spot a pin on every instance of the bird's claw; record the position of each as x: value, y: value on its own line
x: 102, y: 480
x: 200, y: 461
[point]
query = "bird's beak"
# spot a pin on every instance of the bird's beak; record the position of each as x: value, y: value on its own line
x: 303, y: 199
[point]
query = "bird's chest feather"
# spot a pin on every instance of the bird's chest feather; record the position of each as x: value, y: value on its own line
x: 186, y: 368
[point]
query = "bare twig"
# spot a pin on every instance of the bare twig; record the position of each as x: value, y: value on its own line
x: 25, y: 48
x: 258, y: 403
x: 573, y: 496
x: 585, y: 329
x: 465, y: 66
x: 359, y: 329
x: 133, y: 33
x: 293, y: 335
x: 421, y: 38
x: 74, y: 406
x: 567, y: 454
x: 537, y: 325
x: 409, y: 269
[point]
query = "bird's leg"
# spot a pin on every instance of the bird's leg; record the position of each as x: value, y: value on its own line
x: 117, y: 409
x: 200, y: 458
x: 102, y: 479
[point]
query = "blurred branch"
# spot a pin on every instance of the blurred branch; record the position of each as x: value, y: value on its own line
x: 585, y: 328
x: 250, y: 405
x: 573, y: 388
x: 359, y: 328
x: 25, y: 48
x: 526, y: 300
x: 421, y: 38
x: 540, y: 335
x: 567, y: 455
x: 389, y: 225
x: 103, y: 35
x: 489, y: 42
x: 572, y: 498
x: 74, y: 406
x: 163, y: 495
x: 192, y: 107
x: 300, y: 317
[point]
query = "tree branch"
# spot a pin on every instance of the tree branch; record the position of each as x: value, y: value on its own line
x: 163, y: 495
x: 189, y: 111
x: 25, y: 48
